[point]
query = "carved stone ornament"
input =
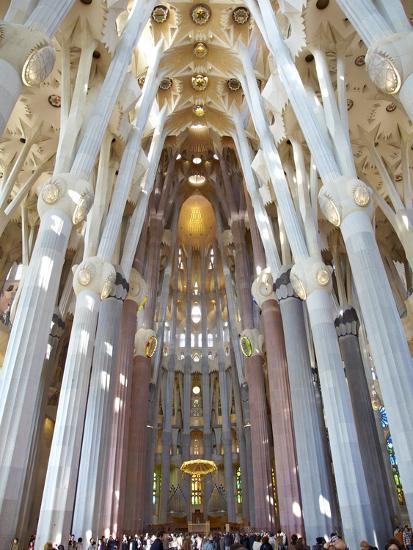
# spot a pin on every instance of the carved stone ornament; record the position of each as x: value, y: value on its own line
x: 234, y: 84
x: 308, y: 275
x: 160, y: 14
x: 145, y: 342
x: 200, y: 50
x: 55, y: 101
x: 28, y: 50
x: 241, y: 15
x: 262, y: 288
x: 201, y: 14
x: 38, y: 65
x: 138, y: 289
x: 67, y: 193
x: 166, y: 84
x: 96, y: 275
x: 199, y: 82
x: 384, y: 71
x: 251, y: 342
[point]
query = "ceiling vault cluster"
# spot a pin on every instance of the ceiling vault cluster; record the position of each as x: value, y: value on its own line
x: 206, y: 254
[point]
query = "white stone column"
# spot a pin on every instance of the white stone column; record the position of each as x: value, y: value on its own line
x: 94, y: 280
x: 345, y: 202
x: 313, y: 468
x: 28, y: 341
x: 92, y: 474
x: 311, y: 280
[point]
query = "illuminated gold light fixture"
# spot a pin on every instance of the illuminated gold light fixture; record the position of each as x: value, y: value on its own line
x: 199, y: 82
x: 198, y: 467
x: 200, y: 50
x: 199, y: 110
x: 197, y: 179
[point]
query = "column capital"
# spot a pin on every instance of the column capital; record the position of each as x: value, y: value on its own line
x: 145, y: 343
x: 347, y: 322
x: 67, y: 193
x: 349, y: 195
x: 28, y: 50
x: 96, y: 275
x: 308, y: 275
x: 262, y: 288
x: 251, y: 342
x: 138, y: 289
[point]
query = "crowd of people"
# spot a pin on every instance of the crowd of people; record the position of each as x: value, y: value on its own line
x: 402, y: 540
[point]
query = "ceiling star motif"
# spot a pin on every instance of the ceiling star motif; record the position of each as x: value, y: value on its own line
x: 201, y: 14
x: 199, y: 82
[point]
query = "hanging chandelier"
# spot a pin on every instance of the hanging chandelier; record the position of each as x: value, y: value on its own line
x: 198, y: 467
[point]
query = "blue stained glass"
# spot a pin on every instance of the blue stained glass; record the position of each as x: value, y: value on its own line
x: 383, y: 417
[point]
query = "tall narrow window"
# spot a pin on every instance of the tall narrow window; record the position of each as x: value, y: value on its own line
x: 238, y: 485
x: 196, y: 486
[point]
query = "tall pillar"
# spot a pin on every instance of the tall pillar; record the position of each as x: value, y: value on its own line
x: 93, y: 280
x: 167, y: 426
x: 187, y: 385
x: 288, y: 484
x: 311, y: 280
x: 141, y: 377
x: 347, y: 326
x: 92, y: 474
x: 314, y: 471
x: 116, y: 499
x: 261, y: 461
x: 223, y: 391
x: 27, y: 346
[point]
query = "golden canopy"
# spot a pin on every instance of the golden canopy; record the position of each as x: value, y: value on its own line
x: 198, y: 467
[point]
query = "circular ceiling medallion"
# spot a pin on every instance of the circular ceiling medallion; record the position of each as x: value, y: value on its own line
x: 165, y: 84
x: 55, y: 100
x: 160, y: 14
x: 241, y: 15
x: 201, y: 14
x: 360, y: 60
x: 200, y: 50
x: 234, y: 84
x: 391, y: 107
x: 199, y: 82
x: 199, y: 110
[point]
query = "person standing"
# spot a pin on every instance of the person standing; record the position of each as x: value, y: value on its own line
x: 407, y: 537
x: 15, y: 544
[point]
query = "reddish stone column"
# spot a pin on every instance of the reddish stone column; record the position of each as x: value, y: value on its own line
x: 288, y: 488
x: 261, y: 458
x: 115, y: 500
x: 141, y: 377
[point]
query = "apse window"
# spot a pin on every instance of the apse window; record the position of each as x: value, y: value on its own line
x: 196, y: 313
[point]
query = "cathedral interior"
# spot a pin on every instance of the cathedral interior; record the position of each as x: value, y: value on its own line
x: 206, y: 254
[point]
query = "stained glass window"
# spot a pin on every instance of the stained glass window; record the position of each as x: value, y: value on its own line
x: 238, y: 485
x: 196, y: 488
